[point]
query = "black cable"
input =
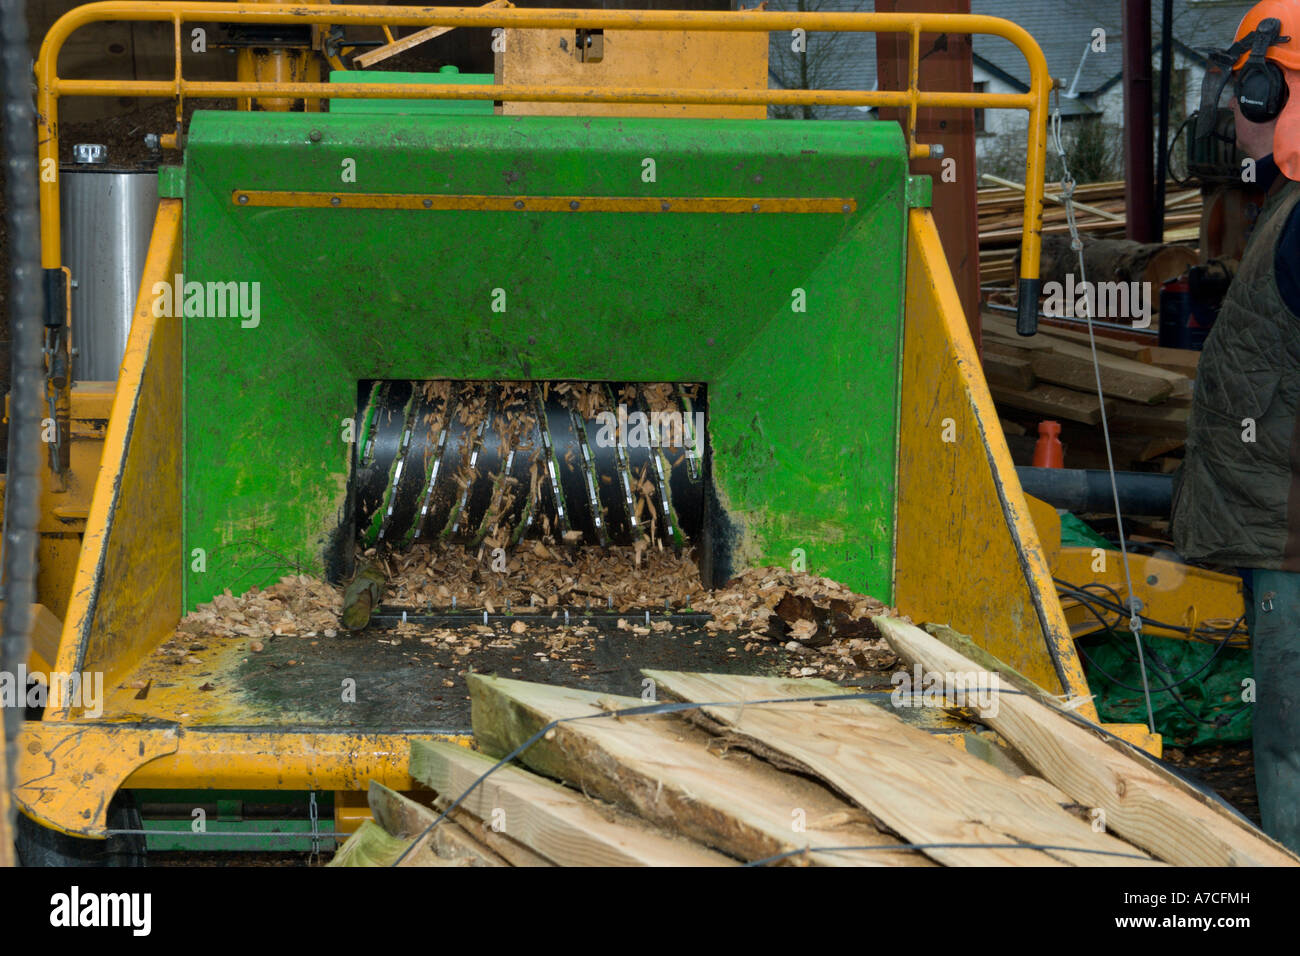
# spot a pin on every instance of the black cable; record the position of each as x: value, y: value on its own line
x: 27, y: 382
x: 1179, y: 132
x: 1087, y: 600
x: 1220, y: 720
x: 1204, y: 634
x: 1111, y: 630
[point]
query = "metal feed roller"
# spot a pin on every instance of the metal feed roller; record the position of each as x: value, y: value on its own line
x: 495, y: 462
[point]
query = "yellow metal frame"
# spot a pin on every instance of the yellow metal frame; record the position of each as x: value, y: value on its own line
x: 125, y: 593
x: 50, y: 86
x: 968, y: 549
x: 967, y: 552
x: 1170, y: 590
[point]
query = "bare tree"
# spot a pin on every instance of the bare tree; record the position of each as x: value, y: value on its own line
x: 815, y: 61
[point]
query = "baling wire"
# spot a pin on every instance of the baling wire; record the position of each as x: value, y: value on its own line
x: 674, y: 707
x: 1076, y: 243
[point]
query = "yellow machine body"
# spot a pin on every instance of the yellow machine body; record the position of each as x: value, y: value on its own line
x: 967, y: 552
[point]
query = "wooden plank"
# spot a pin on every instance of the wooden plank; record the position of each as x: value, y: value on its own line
x: 1051, y: 366
x: 402, y: 817
x: 1159, y: 447
x: 1133, y: 351
x: 1176, y: 360
x: 666, y: 770
x: 1143, y: 803
x: 1057, y: 198
x: 512, y: 851
x: 1182, y: 386
x: 1159, y: 421
x: 1007, y: 370
x: 1076, y: 372
x: 1052, y: 401
x: 558, y: 823
x: 927, y: 791
x: 968, y: 648
x: 371, y: 845
x: 379, y: 54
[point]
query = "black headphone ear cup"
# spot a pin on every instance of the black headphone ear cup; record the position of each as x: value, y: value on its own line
x: 1261, y: 92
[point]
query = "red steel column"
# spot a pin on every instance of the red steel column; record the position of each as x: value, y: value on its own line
x: 955, y: 211
x: 1139, y: 123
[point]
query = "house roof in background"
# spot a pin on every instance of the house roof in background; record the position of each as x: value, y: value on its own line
x: 1063, y: 28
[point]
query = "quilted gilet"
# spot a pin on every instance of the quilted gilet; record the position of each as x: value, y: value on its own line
x: 1237, y: 494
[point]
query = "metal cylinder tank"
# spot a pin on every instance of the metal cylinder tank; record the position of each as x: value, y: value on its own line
x: 106, y: 216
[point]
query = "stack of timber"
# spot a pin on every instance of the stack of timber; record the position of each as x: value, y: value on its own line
x: 1050, y: 376
x: 1099, y: 213
x: 765, y: 771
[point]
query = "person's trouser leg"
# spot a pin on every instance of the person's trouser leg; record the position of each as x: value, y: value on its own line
x: 1275, y: 646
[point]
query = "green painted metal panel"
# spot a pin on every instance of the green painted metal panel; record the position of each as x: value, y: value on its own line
x: 448, y: 74
x: 803, y: 405
x: 170, y: 821
x: 286, y: 836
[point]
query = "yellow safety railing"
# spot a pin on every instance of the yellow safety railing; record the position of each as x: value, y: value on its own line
x: 50, y: 86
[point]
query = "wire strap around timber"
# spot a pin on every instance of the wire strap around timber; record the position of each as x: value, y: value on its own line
x: 695, y: 204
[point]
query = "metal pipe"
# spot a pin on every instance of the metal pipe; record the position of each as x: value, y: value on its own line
x: 1080, y: 490
x: 27, y: 385
x: 50, y: 87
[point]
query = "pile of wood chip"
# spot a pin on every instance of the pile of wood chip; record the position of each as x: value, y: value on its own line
x: 825, y: 625
x: 816, y: 618
x: 298, y: 606
x: 538, y: 576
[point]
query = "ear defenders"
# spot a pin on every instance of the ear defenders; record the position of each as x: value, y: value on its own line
x: 1260, y: 85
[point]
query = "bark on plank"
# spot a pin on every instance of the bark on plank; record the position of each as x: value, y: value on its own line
x: 371, y: 845
x: 512, y: 851
x: 930, y: 792
x: 1145, y: 804
x: 558, y: 823
x: 402, y: 817
x: 668, y: 772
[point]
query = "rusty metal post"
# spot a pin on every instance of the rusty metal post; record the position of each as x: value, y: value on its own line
x: 1139, y: 141
x: 945, y: 67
